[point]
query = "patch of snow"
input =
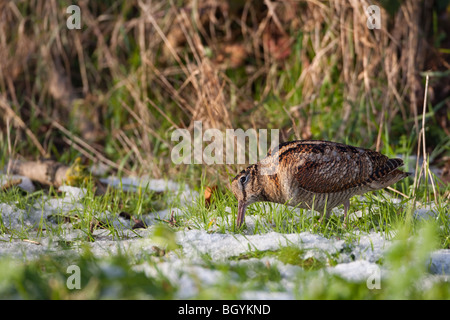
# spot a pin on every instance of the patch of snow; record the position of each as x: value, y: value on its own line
x: 12, y: 217
x: 356, y: 271
x: 222, y: 246
x: 370, y: 247
x: 428, y: 211
x: 74, y: 193
x: 177, y: 191
x: 39, y: 213
x: 440, y: 262
x: 186, y: 276
x: 134, y: 183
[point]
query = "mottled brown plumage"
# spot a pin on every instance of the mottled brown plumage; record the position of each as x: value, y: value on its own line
x: 317, y: 175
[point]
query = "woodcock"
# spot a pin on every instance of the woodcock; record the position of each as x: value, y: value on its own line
x: 317, y: 175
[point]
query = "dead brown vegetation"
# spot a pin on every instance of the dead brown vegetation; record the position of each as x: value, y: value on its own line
x: 138, y: 69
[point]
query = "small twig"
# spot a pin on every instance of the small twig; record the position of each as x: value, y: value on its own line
x: 172, y: 221
x: 10, y: 112
x: 85, y: 145
x: 32, y: 241
x: 400, y: 193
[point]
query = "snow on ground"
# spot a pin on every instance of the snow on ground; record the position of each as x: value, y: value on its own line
x: 440, y: 262
x: 357, y: 271
x: 133, y: 183
x: 223, y: 246
x: 356, y: 260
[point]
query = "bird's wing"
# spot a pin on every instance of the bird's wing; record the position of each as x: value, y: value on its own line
x: 331, y: 167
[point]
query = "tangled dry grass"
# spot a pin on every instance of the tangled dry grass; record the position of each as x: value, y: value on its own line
x: 138, y: 69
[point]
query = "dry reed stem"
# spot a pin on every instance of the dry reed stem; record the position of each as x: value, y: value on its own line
x: 425, y: 156
x: 421, y: 145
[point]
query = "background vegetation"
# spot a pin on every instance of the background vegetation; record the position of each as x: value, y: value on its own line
x: 114, y: 90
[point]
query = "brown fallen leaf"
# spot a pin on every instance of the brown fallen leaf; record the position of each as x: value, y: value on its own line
x: 139, y: 224
x: 231, y: 55
x: 209, y: 191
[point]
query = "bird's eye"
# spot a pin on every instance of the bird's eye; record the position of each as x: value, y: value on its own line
x: 243, y: 179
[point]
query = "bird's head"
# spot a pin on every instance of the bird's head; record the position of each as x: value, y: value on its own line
x: 247, y: 190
